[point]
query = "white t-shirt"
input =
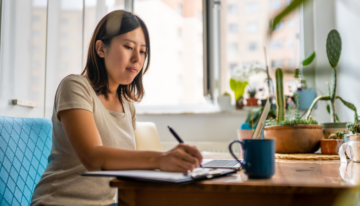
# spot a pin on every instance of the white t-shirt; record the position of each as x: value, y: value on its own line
x: 61, y: 183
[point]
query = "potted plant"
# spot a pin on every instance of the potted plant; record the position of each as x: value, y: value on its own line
x: 240, y: 79
x: 251, y: 101
x: 332, y: 144
x: 292, y: 136
x: 306, y: 96
x: 333, y: 50
x: 238, y: 87
x: 224, y: 101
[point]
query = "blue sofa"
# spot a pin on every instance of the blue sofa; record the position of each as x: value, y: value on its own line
x: 25, y: 144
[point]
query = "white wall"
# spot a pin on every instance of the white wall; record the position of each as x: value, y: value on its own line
x: 342, y: 15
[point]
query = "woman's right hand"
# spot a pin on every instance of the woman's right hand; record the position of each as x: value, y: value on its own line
x: 181, y: 158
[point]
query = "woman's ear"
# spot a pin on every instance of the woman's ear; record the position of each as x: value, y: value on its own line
x: 100, y: 48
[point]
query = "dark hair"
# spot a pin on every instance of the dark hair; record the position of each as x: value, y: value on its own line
x: 113, y: 24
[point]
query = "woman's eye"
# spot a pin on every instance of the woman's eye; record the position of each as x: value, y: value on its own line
x: 128, y: 47
x: 143, y: 52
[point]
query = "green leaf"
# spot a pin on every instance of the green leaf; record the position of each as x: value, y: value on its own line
x: 309, y: 59
x: 294, y: 5
x: 328, y: 110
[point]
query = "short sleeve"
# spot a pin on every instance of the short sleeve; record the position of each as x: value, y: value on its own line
x: 73, y: 93
x: 133, y: 114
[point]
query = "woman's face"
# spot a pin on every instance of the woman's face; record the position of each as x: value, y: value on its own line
x: 125, y: 56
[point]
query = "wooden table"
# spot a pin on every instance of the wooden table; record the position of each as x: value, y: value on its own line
x: 294, y: 183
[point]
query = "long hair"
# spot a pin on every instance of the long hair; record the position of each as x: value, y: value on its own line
x: 113, y: 24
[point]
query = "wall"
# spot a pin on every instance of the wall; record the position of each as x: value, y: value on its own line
x: 342, y: 15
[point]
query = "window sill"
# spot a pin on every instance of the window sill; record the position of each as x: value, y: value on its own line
x: 189, y: 110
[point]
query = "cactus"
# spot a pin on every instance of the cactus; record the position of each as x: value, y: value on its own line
x: 333, y: 50
x: 280, y: 98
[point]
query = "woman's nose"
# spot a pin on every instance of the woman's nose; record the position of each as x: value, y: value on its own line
x: 135, y: 56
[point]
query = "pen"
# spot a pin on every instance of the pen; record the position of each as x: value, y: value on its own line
x: 177, y: 137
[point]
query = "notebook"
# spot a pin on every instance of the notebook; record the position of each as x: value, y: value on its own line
x: 161, y: 176
x: 234, y: 164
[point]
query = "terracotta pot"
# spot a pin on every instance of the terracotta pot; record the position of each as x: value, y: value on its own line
x: 331, y: 146
x: 303, y: 138
x: 330, y: 128
x: 252, y: 101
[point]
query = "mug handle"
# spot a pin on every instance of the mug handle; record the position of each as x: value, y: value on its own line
x: 232, y: 153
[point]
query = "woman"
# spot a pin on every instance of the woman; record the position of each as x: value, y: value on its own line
x: 94, y: 119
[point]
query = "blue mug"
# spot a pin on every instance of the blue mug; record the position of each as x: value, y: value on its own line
x: 259, y: 157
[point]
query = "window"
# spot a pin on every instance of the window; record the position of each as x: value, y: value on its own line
x: 181, y: 67
x: 63, y: 51
x: 179, y: 9
x: 252, y: 46
x: 290, y: 23
x: 288, y: 2
x: 252, y: 27
x: 63, y: 21
x: 35, y: 19
x: 36, y: 34
x: 233, y: 28
x: 233, y: 9
x: 63, y: 36
x: 290, y: 43
x: 233, y: 66
x: 279, y: 26
x: 63, y: 66
x: 281, y: 46
x: 233, y: 47
x: 252, y: 7
x: 291, y: 63
x: 275, y: 4
x: 277, y: 63
x: 276, y: 44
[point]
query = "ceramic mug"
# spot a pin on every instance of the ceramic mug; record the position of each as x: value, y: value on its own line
x: 259, y: 157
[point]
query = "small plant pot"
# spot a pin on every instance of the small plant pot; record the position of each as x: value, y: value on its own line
x: 302, y: 138
x: 306, y: 97
x: 252, y: 101
x: 330, y: 146
x: 224, y: 102
x: 330, y: 128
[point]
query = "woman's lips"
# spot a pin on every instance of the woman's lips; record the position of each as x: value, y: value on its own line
x: 132, y: 69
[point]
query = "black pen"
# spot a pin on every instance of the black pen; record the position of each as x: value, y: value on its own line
x: 177, y: 137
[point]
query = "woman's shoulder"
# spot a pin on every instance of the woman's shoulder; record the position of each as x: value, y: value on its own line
x: 74, y: 81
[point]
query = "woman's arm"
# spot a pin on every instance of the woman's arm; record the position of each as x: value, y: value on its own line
x: 81, y: 130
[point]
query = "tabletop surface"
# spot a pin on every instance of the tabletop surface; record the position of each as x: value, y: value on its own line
x: 290, y: 174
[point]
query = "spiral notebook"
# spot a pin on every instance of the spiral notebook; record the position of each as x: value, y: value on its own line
x: 160, y: 176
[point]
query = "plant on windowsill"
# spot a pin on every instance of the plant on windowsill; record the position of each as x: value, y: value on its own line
x: 292, y: 136
x: 240, y: 79
x: 224, y: 101
x: 251, y: 101
x: 333, y: 50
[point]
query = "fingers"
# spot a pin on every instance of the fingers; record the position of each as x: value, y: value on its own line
x: 193, y: 151
x: 183, y: 155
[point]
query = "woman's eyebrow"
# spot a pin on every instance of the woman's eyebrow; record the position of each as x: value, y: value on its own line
x: 134, y: 42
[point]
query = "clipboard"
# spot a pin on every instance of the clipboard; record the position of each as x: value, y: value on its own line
x: 161, y: 176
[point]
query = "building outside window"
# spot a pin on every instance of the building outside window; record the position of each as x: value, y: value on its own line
x: 233, y: 9
x: 276, y: 44
x: 252, y: 7
x: 253, y: 36
x: 252, y: 27
x: 252, y: 46
x: 275, y: 4
x: 233, y: 28
x: 277, y: 63
x: 233, y: 47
